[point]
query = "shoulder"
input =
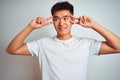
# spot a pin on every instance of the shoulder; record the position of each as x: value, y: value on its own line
x: 40, y: 41
x: 88, y: 41
x: 85, y: 39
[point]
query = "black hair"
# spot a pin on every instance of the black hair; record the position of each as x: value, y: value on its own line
x: 62, y: 6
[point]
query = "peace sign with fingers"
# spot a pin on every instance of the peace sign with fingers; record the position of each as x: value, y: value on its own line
x: 40, y: 22
x: 84, y: 21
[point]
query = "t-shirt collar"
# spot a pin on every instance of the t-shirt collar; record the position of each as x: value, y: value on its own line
x: 64, y: 41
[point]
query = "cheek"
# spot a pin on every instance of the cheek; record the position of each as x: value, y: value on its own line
x: 69, y: 24
x: 69, y: 28
x: 55, y: 26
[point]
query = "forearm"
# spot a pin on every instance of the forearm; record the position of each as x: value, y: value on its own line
x: 18, y: 41
x: 111, y: 39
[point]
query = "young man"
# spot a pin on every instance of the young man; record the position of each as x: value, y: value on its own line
x: 64, y: 57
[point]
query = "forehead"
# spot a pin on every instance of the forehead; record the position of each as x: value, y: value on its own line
x: 62, y: 13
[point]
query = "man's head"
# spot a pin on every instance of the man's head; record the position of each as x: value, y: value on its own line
x: 62, y: 6
x: 62, y: 12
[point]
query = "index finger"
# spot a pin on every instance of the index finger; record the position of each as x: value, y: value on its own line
x: 75, y: 20
x: 49, y: 18
x: 74, y: 17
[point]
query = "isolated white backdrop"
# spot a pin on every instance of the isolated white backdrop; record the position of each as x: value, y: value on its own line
x: 16, y: 14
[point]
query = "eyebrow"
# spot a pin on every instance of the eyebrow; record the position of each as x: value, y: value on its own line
x: 66, y: 16
x: 58, y: 17
x: 55, y: 17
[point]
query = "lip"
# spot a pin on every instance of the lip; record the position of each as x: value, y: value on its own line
x: 62, y: 28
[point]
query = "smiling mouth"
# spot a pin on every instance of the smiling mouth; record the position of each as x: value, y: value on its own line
x: 62, y: 28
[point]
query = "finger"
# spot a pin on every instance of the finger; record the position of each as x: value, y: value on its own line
x: 74, y: 20
x: 48, y: 23
x: 39, y: 20
x: 82, y: 19
x: 49, y: 18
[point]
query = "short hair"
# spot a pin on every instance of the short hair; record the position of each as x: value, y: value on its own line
x: 62, y: 6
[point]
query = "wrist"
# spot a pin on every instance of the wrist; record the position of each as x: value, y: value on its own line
x: 30, y: 27
x: 95, y: 26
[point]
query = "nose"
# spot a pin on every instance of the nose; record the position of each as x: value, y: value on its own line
x: 61, y: 22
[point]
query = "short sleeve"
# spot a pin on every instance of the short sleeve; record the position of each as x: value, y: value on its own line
x: 94, y: 47
x: 33, y: 47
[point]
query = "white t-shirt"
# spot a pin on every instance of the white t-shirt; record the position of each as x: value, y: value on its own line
x: 64, y: 60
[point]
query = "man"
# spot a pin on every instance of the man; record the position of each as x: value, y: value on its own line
x: 64, y: 57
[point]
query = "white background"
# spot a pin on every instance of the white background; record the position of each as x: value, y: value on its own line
x: 16, y: 14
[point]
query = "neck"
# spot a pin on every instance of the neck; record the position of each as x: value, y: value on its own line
x: 64, y: 37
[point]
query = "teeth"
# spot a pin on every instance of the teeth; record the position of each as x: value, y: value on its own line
x: 62, y: 28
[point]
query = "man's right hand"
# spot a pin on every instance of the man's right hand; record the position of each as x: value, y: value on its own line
x: 40, y: 22
x: 17, y: 45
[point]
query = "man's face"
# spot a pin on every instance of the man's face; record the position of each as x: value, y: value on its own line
x: 61, y: 21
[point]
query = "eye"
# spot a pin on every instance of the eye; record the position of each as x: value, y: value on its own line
x: 66, y: 18
x: 55, y: 19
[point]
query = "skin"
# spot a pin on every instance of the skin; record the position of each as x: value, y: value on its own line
x: 62, y: 24
x: 63, y: 21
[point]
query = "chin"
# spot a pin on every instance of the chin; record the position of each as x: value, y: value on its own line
x: 62, y: 34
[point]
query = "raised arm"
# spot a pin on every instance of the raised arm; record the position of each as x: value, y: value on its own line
x: 112, y: 43
x: 17, y: 45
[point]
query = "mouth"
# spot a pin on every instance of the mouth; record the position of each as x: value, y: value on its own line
x: 62, y: 28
